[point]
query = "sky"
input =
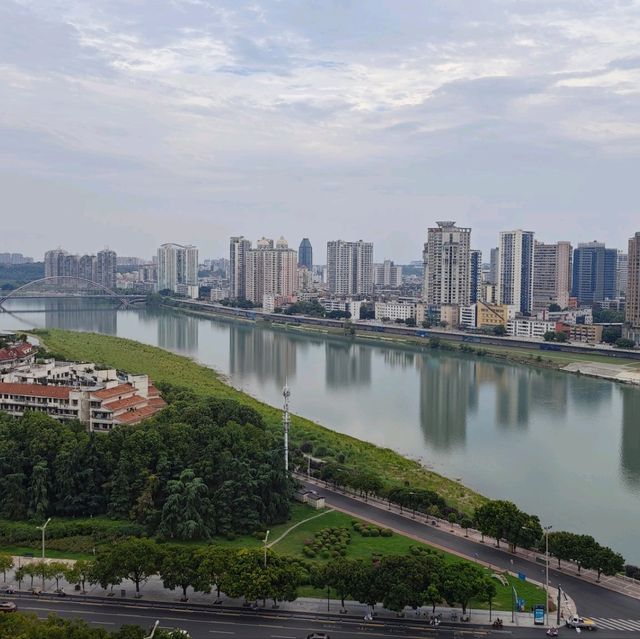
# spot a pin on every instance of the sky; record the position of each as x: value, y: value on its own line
x: 129, y: 123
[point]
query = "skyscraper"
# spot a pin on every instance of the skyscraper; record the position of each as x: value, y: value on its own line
x: 622, y: 274
x: 87, y: 267
x: 494, y: 265
x: 387, y: 274
x: 632, y: 312
x: 515, y: 273
x: 305, y: 254
x: 177, y: 264
x: 349, y: 267
x: 270, y: 270
x: 475, y: 276
x: 594, y: 273
x: 105, y: 268
x: 54, y: 262
x: 446, y: 257
x: 551, y: 275
x: 238, y: 248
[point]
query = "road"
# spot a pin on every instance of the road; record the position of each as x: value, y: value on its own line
x: 590, y: 598
x: 245, y: 624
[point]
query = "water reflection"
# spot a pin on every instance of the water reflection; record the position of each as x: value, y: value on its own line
x: 177, y: 332
x: 77, y: 315
x: 347, y: 365
x: 630, y: 441
x: 263, y: 354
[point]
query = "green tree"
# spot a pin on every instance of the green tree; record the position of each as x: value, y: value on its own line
x: 6, y: 563
x: 339, y: 574
x: 500, y: 330
x: 213, y: 566
x: 38, y: 491
x: 488, y: 592
x: 623, y: 342
x: 433, y: 596
x: 135, y: 559
x: 549, y: 336
x: 57, y: 570
x: 179, y: 568
x: 187, y: 512
x: 554, y: 308
x: 13, y: 496
x: 462, y: 582
x: 79, y: 572
x: 607, y: 561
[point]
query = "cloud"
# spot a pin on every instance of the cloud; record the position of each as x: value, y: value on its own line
x: 272, y: 117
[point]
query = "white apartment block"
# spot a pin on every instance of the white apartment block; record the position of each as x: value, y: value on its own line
x: 468, y: 316
x: 551, y: 275
x: 346, y: 306
x: 400, y: 310
x: 349, y: 267
x: 177, y: 264
x: 387, y: 274
x: 529, y: 328
x: 446, y: 258
x: 238, y: 249
x: 515, y: 272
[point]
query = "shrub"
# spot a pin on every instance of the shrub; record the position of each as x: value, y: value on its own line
x: 386, y: 532
x: 325, y: 554
x: 374, y: 532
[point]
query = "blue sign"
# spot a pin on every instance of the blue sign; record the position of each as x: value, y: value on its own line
x: 522, y: 576
x: 538, y: 615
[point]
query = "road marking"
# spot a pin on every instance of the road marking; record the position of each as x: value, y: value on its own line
x: 224, y: 632
x: 283, y: 637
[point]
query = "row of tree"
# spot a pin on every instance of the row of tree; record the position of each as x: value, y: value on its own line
x: 396, y: 581
x: 503, y: 520
x: 201, y: 467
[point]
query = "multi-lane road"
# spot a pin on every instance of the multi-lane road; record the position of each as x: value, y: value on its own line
x: 590, y: 598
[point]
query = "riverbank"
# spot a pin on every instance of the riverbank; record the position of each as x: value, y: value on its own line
x: 166, y: 367
x: 617, y: 366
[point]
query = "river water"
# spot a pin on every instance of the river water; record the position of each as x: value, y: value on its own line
x: 562, y: 446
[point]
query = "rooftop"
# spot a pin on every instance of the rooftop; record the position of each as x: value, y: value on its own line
x: 35, y: 390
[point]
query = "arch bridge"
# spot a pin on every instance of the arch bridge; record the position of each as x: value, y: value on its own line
x: 67, y: 287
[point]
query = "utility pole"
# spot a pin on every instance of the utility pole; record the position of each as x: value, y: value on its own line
x: 286, y: 393
x: 266, y: 537
x: 559, y: 604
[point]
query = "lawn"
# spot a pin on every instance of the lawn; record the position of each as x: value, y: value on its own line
x: 163, y: 366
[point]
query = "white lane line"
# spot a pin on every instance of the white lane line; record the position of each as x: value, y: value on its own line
x: 282, y: 637
x: 627, y: 624
x: 223, y: 632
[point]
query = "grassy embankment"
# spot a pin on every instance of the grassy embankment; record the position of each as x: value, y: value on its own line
x: 163, y: 366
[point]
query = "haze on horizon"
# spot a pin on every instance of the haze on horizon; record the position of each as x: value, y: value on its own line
x: 130, y: 124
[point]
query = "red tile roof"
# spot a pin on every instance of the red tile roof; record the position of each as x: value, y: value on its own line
x: 127, y: 402
x: 15, y: 352
x: 35, y: 390
x: 107, y: 393
x: 157, y: 402
x: 135, y: 416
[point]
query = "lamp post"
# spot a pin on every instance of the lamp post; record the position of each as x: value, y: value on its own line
x: 266, y: 537
x: 546, y: 567
x: 43, y: 528
x: 413, y: 504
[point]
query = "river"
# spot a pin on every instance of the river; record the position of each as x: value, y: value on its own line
x: 562, y: 446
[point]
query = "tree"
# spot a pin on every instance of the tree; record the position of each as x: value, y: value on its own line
x: 187, y: 512
x: 57, y: 570
x: 500, y: 330
x: 462, y: 582
x: 610, y: 334
x: 134, y: 559
x: 79, y: 572
x: 607, y: 561
x: 410, y: 321
x: 179, y: 568
x: 554, y: 308
x: 561, y: 545
x: 6, y: 563
x: 623, y: 342
x: 488, y: 592
x: 433, y: 596
x: 339, y: 574
x: 465, y: 524
x: 39, y: 500
x: 213, y: 567
x: 549, y: 336
x: 561, y: 336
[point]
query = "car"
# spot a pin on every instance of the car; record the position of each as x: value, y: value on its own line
x: 318, y: 635
x: 8, y: 606
x: 581, y: 622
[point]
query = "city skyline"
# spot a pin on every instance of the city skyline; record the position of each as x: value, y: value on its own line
x: 196, y: 122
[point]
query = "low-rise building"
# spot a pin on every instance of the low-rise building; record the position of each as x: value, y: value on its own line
x: 588, y: 333
x: 191, y: 291
x: 16, y: 354
x: 400, y: 310
x: 489, y: 315
x: 529, y: 328
x: 344, y: 305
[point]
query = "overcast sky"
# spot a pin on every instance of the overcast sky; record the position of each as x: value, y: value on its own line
x: 130, y: 123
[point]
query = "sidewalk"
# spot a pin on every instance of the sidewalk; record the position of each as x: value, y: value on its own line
x: 618, y: 583
x: 154, y: 591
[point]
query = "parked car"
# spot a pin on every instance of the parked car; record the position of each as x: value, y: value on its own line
x: 8, y: 606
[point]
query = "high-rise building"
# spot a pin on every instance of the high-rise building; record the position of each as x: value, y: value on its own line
x: 594, y: 273
x: 515, y: 273
x: 54, y: 262
x: 632, y: 310
x: 475, y: 276
x: 105, y: 270
x: 305, y: 254
x: 494, y: 265
x: 387, y: 274
x: 177, y: 264
x: 271, y: 270
x: 622, y: 275
x: 349, y: 267
x: 238, y: 249
x: 551, y: 275
x: 87, y: 267
x: 446, y: 258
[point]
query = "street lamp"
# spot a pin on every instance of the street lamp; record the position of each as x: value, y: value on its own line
x: 266, y: 537
x: 413, y: 504
x: 43, y: 528
x: 153, y: 632
x: 546, y: 586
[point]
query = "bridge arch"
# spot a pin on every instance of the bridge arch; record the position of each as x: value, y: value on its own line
x: 67, y: 279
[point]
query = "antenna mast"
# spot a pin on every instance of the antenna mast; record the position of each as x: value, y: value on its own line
x: 286, y: 393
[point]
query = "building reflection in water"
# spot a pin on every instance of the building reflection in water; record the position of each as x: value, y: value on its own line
x: 266, y: 355
x: 178, y: 332
x: 78, y: 315
x: 447, y: 385
x: 347, y: 364
x: 401, y: 359
x: 630, y: 440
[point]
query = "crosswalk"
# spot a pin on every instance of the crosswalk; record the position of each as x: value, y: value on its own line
x: 633, y: 625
